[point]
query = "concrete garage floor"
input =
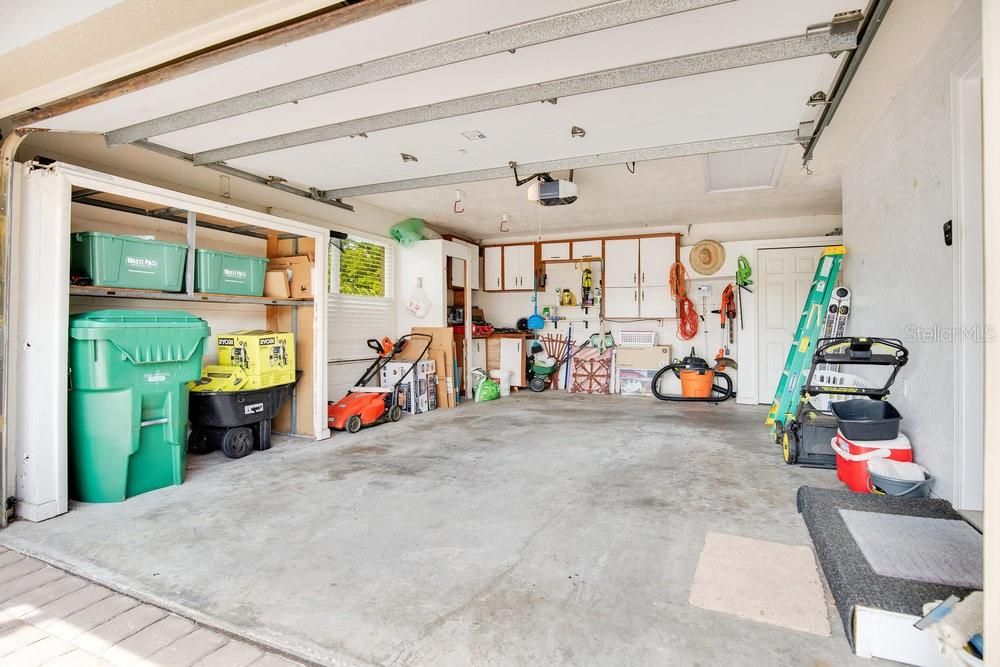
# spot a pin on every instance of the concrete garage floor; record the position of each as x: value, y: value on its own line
x: 538, y: 529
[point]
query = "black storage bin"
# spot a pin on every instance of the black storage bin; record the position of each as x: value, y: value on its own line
x: 865, y: 419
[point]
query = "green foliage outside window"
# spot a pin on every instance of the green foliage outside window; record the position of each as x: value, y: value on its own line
x: 362, y: 268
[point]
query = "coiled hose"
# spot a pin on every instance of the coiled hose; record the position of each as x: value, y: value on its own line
x: 687, y: 316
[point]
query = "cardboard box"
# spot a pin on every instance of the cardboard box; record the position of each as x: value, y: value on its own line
x: 276, y: 285
x: 635, y: 382
x: 268, y: 357
x: 301, y: 267
x: 418, y: 389
x: 644, y: 358
x: 443, y: 341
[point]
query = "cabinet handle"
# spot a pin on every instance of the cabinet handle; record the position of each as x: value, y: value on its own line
x: 634, y: 281
x: 635, y: 295
x: 643, y: 277
x: 643, y: 295
x: 498, y: 282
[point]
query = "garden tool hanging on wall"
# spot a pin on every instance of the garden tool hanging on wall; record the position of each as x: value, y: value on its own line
x: 587, y: 287
x: 743, y: 282
x: 727, y: 311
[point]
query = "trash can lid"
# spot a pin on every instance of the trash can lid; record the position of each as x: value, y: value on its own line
x: 145, y: 319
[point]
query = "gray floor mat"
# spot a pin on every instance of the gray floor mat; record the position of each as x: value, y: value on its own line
x: 937, y: 551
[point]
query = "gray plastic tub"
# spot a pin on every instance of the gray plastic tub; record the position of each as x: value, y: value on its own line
x: 902, y: 487
x: 865, y: 419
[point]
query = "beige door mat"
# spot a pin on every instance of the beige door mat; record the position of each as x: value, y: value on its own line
x: 761, y: 581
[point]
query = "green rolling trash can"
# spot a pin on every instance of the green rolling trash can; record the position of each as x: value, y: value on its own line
x: 128, y: 400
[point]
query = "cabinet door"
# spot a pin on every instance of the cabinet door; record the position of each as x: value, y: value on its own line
x: 478, y: 353
x: 512, y: 360
x: 457, y: 271
x: 492, y: 260
x: 621, y: 263
x: 558, y: 250
x: 518, y: 267
x: 586, y: 249
x: 656, y: 254
x: 621, y: 302
x: 656, y: 302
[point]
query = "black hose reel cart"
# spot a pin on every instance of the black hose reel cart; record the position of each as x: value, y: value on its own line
x: 237, y: 422
x: 805, y: 439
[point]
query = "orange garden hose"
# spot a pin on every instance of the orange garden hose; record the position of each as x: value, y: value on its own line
x: 687, y: 323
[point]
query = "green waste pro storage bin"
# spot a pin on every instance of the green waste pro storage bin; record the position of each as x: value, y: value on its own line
x: 110, y: 260
x: 128, y: 400
x: 218, y: 272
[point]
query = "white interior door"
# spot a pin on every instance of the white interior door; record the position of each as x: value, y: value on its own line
x: 786, y: 276
x: 621, y: 263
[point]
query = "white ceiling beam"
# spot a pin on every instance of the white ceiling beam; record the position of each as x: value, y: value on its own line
x: 583, y: 162
x: 832, y: 38
x: 509, y: 38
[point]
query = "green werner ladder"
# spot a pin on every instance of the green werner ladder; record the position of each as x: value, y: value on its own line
x: 787, y: 398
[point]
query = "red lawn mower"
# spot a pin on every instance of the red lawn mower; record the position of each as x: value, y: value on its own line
x: 367, y: 406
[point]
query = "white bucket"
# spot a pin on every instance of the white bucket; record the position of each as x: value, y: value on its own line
x: 502, y: 378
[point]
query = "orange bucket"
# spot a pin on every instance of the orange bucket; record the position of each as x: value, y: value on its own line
x: 697, y: 383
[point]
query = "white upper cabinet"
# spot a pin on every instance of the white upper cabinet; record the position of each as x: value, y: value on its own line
x: 492, y: 262
x: 621, y: 263
x: 656, y: 254
x: 518, y: 267
x: 586, y: 249
x: 555, y: 250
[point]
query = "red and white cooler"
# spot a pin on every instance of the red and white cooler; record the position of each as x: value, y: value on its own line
x: 853, y: 457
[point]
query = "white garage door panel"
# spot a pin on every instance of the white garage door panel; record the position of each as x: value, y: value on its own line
x: 377, y: 37
x: 637, y: 117
x: 734, y: 23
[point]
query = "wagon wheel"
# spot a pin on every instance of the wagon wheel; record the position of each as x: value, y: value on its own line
x: 237, y: 442
x: 354, y: 424
x: 199, y: 441
x: 395, y: 412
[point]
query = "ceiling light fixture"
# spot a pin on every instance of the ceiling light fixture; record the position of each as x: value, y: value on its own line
x: 577, y: 132
x: 504, y: 223
x: 473, y: 135
x: 408, y: 158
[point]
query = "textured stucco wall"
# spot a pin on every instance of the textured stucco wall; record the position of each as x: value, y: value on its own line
x: 897, y: 191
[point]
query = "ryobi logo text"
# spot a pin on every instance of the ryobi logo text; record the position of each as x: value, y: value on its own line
x: 267, y: 341
x: 223, y: 342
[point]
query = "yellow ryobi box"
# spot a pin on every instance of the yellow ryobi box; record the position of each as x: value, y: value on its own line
x: 267, y: 357
x: 220, y: 378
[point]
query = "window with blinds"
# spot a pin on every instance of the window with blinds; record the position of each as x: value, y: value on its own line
x: 360, y: 306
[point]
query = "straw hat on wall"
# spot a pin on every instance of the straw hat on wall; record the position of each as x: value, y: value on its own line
x: 707, y: 257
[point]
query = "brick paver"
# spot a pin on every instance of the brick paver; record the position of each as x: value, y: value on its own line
x: 49, y: 618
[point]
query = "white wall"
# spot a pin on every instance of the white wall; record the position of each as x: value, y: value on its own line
x: 424, y: 262
x: 897, y: 190
x: 505, y: 308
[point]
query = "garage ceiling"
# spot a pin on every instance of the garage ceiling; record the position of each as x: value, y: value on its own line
x: 335, y: 112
